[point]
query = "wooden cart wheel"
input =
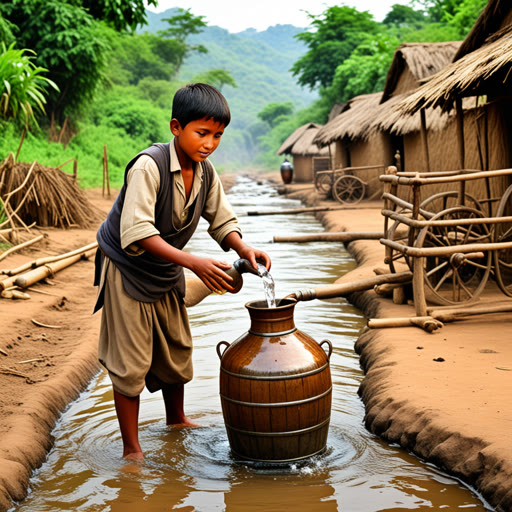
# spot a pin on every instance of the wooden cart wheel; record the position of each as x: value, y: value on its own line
x: 444, y: 200
x: 455, y: 278
x: 349, y: 189
x: 503, y: 233
x: 323, y: 183
x: 399, y: 232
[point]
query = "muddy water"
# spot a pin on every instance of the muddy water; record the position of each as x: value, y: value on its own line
x: 192, y: 470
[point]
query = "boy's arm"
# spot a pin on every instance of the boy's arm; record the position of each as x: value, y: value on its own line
x: 209, y: 270
x: 234, y: 241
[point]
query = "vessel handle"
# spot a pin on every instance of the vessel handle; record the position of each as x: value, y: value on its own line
x: 330, y: 348
x: 218, y: 348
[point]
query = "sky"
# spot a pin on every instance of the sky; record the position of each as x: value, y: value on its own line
x: 238, y: 15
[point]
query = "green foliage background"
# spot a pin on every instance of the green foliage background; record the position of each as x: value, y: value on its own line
x: 119, y: 84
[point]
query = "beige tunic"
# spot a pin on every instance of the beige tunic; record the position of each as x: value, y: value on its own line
x: 150, y: 343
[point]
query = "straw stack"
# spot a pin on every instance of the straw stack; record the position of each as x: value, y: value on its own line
x: 50, y: 197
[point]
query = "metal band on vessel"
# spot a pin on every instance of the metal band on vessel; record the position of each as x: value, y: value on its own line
x: 281, y: 434
x: 277, y: 404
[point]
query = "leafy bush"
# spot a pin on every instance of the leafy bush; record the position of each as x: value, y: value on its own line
x: 22, y: 85
x: 138, y: 118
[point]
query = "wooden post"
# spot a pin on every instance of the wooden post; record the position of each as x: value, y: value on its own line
x: 462, y: 151
x: 486, y: 136
x: 424, y: 138
x: 486, y: 159
x: 23, y: 133
x: 105, y: 171
x: 460, y: 132
x: 75, y: 169
x: 418, y: 285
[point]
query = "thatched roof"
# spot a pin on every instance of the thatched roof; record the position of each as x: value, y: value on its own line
x: 388, y: 117
x: 353, y: 122
x: 300, y: 142
x: 483, y: 71
x: 421, y: 59
x: 337, y: 109
x: 496, y: 14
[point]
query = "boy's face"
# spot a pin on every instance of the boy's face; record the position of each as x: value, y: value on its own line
x: 198, y: 140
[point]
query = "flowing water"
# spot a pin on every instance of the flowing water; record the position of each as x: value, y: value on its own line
x: 269, y: 286
x: 192, y: 470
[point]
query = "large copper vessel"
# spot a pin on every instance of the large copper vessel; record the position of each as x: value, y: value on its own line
x: 275, y: 388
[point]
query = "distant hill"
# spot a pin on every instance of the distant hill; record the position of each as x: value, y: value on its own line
x: 259, y: 61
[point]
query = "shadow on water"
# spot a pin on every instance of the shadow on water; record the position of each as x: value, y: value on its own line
x: 193, y: 470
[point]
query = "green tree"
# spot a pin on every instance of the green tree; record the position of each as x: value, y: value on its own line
x: 22, y: 85
x: 466, y: 14
x: 273, y: 111
x: 181, y: 26
x: 404, y: 16
x: 121, y: 14
x: 438, y: 10
x: 68, y: 42
x: 6, y: 28
x: 216, y: 77
x: 333, y: 37
x: 364, y: 71
x: 135, y: 57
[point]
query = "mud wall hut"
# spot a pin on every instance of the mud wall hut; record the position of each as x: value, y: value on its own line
x: 355, y: 145
x: 479, y: 75
x: 307, y: 157
x: 412, y: 63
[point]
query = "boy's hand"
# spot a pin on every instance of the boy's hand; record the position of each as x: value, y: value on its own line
x: 234, y: 241
x: 211, y: 272
x: 255, y: 256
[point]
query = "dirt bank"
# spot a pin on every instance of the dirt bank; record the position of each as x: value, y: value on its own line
x: 444, y: 396
x: 454, y: 413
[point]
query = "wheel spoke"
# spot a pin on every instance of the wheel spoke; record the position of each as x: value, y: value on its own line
x: 447, y: 275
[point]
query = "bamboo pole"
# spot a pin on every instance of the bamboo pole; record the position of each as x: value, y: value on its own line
x: 338, y: 236
x: 428, y: 323
x: 474, y: 251
x: 307, y: 210
x: 20, y: 246
x: 50, y: 259
x: 36, y: 275
x: 439, y: 316
x: 344, y: 289
x: 443, y: 177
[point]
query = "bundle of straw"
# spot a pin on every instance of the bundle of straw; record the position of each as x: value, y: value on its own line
x: 47, y: 196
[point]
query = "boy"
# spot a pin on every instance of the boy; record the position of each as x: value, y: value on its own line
x: 145, y: 335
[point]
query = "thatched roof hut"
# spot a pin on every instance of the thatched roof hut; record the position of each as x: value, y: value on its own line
x: 496, y: 14
x: 307, y: 157
x: 355, y: 145
x: 413, y: 62
x: 353, y: 122
x: 480, y: 77
x: 485, y: 71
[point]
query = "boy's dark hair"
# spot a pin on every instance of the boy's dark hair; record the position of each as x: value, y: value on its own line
x: 198, y: 100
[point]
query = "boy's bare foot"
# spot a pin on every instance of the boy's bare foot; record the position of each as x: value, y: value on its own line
x: 184, y: 423
x: 135, y: 456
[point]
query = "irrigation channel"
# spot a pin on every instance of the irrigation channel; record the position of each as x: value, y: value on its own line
x: 192, y: 469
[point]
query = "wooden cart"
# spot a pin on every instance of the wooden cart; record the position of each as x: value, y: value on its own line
x: 452, y: 242
x: 343, y: 184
